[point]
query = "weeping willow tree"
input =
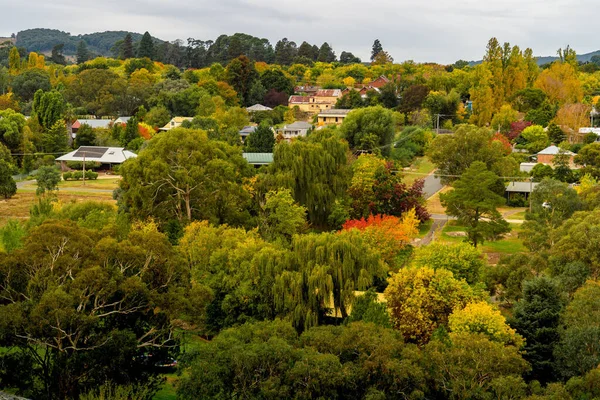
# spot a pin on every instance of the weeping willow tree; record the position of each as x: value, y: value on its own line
x: 316, y: 171
x: 324, y: 272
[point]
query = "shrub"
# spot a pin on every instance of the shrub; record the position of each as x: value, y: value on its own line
x: 91, y: 175
x: 67, y: 176
x: 79, y: 164
x: 77, y: 175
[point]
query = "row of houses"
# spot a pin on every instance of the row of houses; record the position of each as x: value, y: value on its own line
x: 314, y: 100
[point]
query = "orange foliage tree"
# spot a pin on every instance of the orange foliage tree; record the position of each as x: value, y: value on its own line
x: 387, y: 233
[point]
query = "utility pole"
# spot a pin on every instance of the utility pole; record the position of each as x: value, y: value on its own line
x: 437, y: 129
x: 84, y: 168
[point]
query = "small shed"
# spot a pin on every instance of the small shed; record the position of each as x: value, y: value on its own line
x: 520, y: 188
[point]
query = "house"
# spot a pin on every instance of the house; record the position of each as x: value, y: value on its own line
x: 258, y: 159
x: 378, y: 83
x: 585, y: 131
x: 102, y: 155
x: 307, y: 89
x: 332, y: 117
x: 246, y: 131
x: 547, y: 155
x: 175, y: 123
x: 323, y: 99
x: 258, y: 107
x: 94, y: 123
x: 122, y: 120
x: 519, y: 188
x: 296, y: 129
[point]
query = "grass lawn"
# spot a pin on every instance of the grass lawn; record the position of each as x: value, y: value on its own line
x: 420, y: 166
x: 509, y: 244
x: 519, y: 215
x: 433, y: 204
x: 168, y: 390
x: 424, y: 229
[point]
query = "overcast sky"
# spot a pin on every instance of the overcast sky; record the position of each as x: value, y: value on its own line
x: 424, y: 30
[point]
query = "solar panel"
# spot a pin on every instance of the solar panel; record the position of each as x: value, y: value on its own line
x: 90, y: 152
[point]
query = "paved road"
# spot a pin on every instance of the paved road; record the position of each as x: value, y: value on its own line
x: 432, y: 186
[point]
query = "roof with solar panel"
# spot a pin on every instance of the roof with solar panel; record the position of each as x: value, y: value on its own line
x: 103, y: 155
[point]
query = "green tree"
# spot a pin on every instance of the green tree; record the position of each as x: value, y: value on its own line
x: 453, y: 154
x: 8, y: 187
x: 536, y: 139
x: 257, y: 93
x: 57, y: 55
x: 26, y: 84
x: 579, y: 348
x: 261, y: 140
x: 12, y: 125
x: 47, y: 180
x: 474, y: 202
x: 370, y: 128
x: 55, y: 140
x: 183, y: 175
x: 420, y: 300
x: 77, y: 324
x: 131, y: 132
x: 555, y: 134
x: 552, y: 202
x: 281, y: 217
x: 83, y: 54
x: 474, y: 367
x: 316, y: 170
x: 127, y: 48
x: 48, y: 108
x: 85, y: 136
x: 367, y: 308
x: 377, y: 48
x: 241, y: 74
x: 536, y: 317
x: 464, y: 261
x: 541, y: 171
x: 348, y: 58
x: 146, y: 47
x: 326, y: 53
x: 158, y: 116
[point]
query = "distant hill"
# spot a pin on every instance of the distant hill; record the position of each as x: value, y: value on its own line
x: 43, y: 40
x: 548, y: 59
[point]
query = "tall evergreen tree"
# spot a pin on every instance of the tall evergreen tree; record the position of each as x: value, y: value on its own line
x: 8, y: 187
x: 127, y: 47
x: 377, y: 48
x: 146, y: 48
x: 262, y: 140
x: 474, y: 201
x: 305, y: 50
x: 285, y: 51
x: 326, y: 53
x: 130, y: 132
x: 57, y: 56
x: 83, y: 54
x: 537, y: 318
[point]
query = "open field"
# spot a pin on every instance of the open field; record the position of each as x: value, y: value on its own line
x: 18, y: 206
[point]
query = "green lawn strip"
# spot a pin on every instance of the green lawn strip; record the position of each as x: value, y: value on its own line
x: 168, y: 390
x: 424, y: 229
x: 418, y: 169
x: 507, y: 245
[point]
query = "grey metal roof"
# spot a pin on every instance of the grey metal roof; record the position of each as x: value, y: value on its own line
x: 95, y: 123
x: 258, y: 107
x: 297, y: 125
x: 554, y: 150
x: 258, y: 158
x: 247, y: 130
x: 123, y: 120
x: 521, y: 187
x: 103, y: 155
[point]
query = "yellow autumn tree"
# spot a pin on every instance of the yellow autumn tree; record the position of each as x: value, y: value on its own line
x: 560, y: 83
x: 7, y: 101
x: 421, y: 299
x: 349, y: 81
x: 481, y: 317
x: 32, y: 61
x: 482, y: 97
x: 573, y: 116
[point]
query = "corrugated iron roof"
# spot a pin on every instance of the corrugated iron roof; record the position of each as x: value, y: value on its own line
x: 103, y: 155
x: 258, y: 158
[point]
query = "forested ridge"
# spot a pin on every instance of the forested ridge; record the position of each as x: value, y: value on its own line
x: 328, y: 273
